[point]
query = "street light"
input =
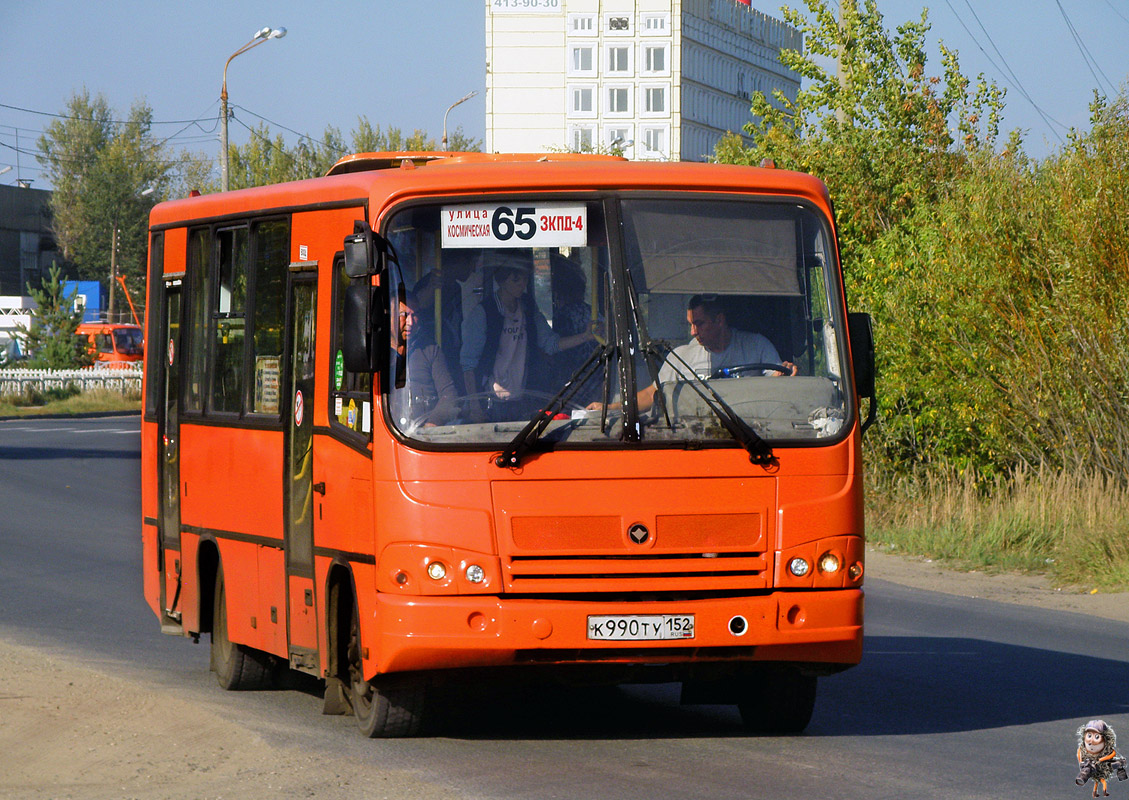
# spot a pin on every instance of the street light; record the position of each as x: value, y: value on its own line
x: 263, y: 35
x: 462, y: 99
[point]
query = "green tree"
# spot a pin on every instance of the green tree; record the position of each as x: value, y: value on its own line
x: 107, y: 175
x: 50, y: 339
x: 266, y: 158
x: 882, y: 133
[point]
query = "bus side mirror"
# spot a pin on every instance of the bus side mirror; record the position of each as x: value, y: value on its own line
x: 363, y: 256
x: 861, y: 332
x: 361, y: 328
x: 362, y: 315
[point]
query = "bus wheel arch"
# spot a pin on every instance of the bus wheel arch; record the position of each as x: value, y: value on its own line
x: 387, y: 706
x: 237, y: 667
x: 340, y: 592
x: 207, y: 566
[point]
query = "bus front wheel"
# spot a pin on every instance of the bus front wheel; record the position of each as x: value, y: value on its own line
x: 779, y: 701
x: 385, y: 708
x: 236, y: 666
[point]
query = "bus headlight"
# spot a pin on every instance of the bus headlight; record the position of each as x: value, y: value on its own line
x: 829, y: 563
x: 427, y: 569
x: 799, y: 567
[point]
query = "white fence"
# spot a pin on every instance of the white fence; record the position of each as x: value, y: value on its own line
x: 122, y: 379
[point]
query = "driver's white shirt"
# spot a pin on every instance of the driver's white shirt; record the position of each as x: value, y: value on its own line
x: 744, y: 348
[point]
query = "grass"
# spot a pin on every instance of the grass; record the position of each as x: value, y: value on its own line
x: 56, y: 401
x: 1073, y: 527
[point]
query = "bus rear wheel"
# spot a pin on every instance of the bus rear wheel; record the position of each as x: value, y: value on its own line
x: 781, y: 700
x: 236, y: 666
x: 386, y: 708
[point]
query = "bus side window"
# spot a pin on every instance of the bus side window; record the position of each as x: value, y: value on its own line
x: 104, y: 342
x: 271, y: 256
x: 198, y: 269
x: 228, y: 312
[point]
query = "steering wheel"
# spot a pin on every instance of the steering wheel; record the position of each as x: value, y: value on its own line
x: 742, y: 369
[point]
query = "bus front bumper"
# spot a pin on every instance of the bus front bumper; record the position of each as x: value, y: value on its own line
x: 429, y: 633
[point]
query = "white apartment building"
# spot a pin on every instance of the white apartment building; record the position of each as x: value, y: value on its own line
x: 660, y: 79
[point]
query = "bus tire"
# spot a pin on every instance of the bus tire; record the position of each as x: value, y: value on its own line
x: 237, y: 666
x: 779, y: 701
x: 388, y: 708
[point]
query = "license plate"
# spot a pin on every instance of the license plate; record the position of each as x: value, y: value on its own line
x: 641, y: 627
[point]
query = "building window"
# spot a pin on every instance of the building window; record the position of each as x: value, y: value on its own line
x: 656, y: 24
x: 619, y: 59
x: 654, y: 100
x: 580, y: 101
x: 582, y: 24
x: 618, y: 100
x: 617, y: 25
x: 617, y: 138
x: 582, y: 138
x: 654, y: 142
x: 581, y: 60
x: 655, y: 60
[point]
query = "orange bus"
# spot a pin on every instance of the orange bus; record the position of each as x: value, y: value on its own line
x: 113, y: 342
x: 563, y: 417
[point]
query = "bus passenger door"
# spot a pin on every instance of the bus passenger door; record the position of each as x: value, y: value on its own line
x: 300, y: 488
x: 168, y: 545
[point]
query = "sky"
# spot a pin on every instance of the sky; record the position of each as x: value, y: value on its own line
x: 403, y: 62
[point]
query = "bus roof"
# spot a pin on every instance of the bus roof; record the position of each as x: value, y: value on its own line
x: 381, y: 179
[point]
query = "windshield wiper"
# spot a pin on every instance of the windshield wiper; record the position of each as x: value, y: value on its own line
x: 527, y: 437
x: 757, y: 448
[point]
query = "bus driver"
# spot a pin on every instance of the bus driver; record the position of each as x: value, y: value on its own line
x: 713, y: 346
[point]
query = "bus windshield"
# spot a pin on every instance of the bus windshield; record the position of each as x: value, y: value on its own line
x: 707, y: 314
x: 129, y: 341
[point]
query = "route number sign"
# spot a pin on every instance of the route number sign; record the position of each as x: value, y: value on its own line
x: 518, y: 224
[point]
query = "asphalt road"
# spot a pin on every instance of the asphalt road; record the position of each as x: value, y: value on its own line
x: 955, y: 698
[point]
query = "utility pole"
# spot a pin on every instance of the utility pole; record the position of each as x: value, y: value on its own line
x: 113, y: 272
x: 846, y: 7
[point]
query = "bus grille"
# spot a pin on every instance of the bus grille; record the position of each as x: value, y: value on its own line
x: 636, y: 573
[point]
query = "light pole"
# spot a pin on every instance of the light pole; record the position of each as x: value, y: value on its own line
x: 462, y: 99
x: 263, y: 35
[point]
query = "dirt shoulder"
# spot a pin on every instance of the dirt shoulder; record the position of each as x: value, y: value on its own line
x: 1025, y: 590
x: 69, y: 731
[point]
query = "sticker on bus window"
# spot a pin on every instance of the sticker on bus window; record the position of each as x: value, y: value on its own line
x: 518, y: 224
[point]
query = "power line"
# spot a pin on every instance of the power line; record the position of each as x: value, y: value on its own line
x: 291, y: 130
x: 1013, y: 80
x: 1086, y: 55
x: 1019, y: 85
x: 112, y: 121
x: 1115, y: 11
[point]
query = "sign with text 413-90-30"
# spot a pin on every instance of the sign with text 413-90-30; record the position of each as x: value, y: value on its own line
x: 518, y: 224
x: 526, y: 6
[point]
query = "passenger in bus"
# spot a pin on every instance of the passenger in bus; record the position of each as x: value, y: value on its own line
x: 571, y: 315
x: 456, y: 286
x: 502, y: 339
x: 713, y: 345
x: 428, y: 397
